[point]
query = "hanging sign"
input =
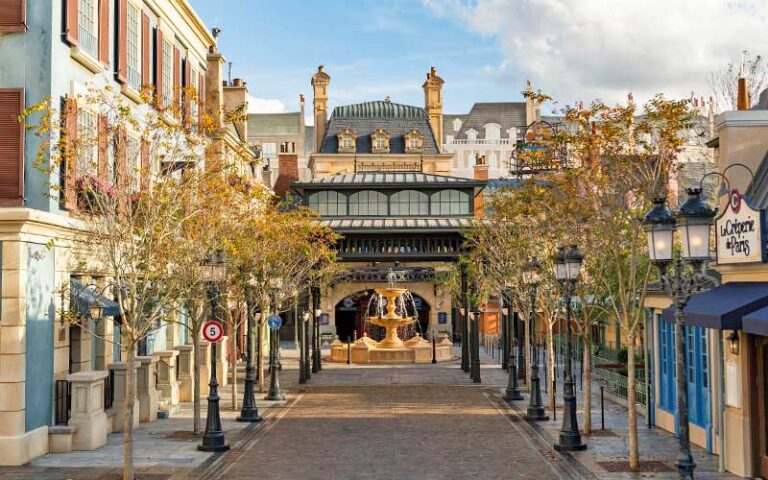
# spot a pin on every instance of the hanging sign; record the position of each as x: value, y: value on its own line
x: 212, y: 331
x: 740, y: 232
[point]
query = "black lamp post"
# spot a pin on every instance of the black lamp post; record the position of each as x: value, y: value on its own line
x: 475, y: 364
x: 302, y: 347
x: 317, y: 360
x: 680, y: 276
x: 532, y: 278
x: 213, y: 271
x: 249, y: 412
x: 275, y: 393
x: 464, y: 321
x: 513, y: 391
x: 567, y: 270
x: 305, y: 357
x: 505, y: 329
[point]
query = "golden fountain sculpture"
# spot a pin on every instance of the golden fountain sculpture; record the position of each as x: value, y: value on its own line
x: 391, y: 321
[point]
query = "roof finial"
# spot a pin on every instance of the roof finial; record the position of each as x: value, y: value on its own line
x: 387, y: 99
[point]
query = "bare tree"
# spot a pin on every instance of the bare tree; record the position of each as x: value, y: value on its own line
x: 723, y: 83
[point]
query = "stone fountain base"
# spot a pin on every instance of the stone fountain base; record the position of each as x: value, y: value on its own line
x: 415, y: 350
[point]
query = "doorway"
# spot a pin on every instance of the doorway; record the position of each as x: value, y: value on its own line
x: 762, y: 406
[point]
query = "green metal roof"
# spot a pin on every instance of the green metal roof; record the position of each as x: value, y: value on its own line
x: 379, y: 109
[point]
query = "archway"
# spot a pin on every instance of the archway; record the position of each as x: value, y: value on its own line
x: 350, y: 315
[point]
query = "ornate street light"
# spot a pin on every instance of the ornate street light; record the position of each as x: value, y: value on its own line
x: 513, y: 391
x: 567, y: 270
x: 465, y: 347
x: 213, y: 270
x: 532, y: 278
x: 249, y: 411
x: 680, y: 276
x: 303, y: 348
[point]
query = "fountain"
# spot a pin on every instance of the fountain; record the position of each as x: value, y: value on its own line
x: 392, y: 349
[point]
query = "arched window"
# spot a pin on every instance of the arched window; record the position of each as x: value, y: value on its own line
x: 492, y: 131
x: 368, y: 202
x: 450, y: 202
x: 328, y: 203
x: 409, y: 202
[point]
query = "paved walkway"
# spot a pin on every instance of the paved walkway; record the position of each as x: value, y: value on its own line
x: 377, y: 422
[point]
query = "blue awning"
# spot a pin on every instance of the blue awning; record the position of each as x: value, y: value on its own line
x: 87, y: 297
x: 723, y: 307
x: 756, y: 322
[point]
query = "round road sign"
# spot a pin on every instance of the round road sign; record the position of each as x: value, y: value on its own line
x: 274, y: 321
x: 212, y: 331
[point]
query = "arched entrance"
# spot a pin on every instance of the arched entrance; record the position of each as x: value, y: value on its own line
x: 350, y: 315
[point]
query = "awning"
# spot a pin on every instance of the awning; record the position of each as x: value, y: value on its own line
x: 87, y: 297
x: 723, y: 307
x: 756, y: 322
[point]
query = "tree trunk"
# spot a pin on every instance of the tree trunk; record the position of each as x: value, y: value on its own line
x: 262, y: 347
x: 528, y: 340
x: 196, y: 379
x: 587, y: 383
x: 233, y: 362
x: 634, y: 453
x: 552, y: 377
x: 130, y: 401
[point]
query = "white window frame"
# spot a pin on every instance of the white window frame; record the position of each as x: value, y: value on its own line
x: 167, y: 73
x: 133, y: 46
x: 88, y: 26
x: 133, y: 165
x: 88, y: 138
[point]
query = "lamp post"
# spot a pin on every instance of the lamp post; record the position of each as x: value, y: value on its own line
x: 513, y: 391
x: 567, y: 270
x: 532, y: 278
x: 465, y: 321
x: 213, y: 271
x: 303, y: 348
x: 275, y: 393
x: 475, y: 362
x: 504, y: 311
x: 316, y: 352
x: 249, y: 412
x: 680, y: 277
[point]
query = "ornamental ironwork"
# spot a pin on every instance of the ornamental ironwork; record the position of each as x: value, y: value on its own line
x: 380, y: 274
x: 362, y: 166
x: 538, y: 151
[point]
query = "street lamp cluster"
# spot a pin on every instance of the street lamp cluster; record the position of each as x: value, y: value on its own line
x: 680, y: 272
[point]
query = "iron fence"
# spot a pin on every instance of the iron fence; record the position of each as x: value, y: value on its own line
x: 63, y: 402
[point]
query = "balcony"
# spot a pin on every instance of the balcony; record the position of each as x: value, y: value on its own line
x: 482, y: 142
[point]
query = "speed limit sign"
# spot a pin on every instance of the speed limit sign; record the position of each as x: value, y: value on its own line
x: 212, y: 331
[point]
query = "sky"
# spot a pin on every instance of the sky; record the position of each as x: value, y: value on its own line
x: 485, y: 50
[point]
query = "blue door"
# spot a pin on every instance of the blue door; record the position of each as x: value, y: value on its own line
x: 38, y: 388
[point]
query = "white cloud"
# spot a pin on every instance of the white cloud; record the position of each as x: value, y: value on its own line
x: 585, y: 49
x: 264, y: 105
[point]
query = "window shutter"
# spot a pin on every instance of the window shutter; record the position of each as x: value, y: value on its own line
x: 103, y: 154
x: 145, y: 166
x: 145, y: 49
x: 122, y: 41
x: 71, y: 34
x: 69, y: 152
x: 201, y: 99
x: 104, y: 32
x: 11, y: 147
x: 158, y: 67
x: 13, y: 16
x: 176, y: 82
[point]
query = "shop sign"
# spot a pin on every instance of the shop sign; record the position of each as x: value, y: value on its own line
x: 740, y: 232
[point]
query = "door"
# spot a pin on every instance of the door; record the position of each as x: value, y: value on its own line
x: 762, y: 407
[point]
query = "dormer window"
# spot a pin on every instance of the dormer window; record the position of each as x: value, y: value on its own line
x: 347, y: 141
x: 414, y: 142
x: 379, y: 141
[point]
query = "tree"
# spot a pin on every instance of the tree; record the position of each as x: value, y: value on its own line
x: 723, y: 82
x: 127, y: 203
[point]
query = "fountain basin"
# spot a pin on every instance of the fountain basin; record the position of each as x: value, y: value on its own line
x: 367, y: 351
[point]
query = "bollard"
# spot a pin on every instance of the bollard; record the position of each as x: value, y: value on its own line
x: 602, y: 409
x: 554, y: 394
x: 434, y: 349
x: 349, y: 351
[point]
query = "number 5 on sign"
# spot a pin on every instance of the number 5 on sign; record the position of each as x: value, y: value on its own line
x: 212, y: 331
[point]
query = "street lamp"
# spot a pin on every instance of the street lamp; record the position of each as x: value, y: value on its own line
x: 513, y: 391
x: 475, y: 356
x: 465, y: 321
x: 532, y: 278
x: 567, y: 269
x: 680, y: 276
x: 249, y: 411
x: 213, y: 270
x: 303, y: 348
x: 316, y: 312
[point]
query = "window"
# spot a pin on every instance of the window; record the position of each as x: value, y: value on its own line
x: 87, y: 137
x: 414, y: 141
x: 409, y: 202
x: 492, y: 131
x: 471, y: 134
x: 379, y: 141
x: 368, y: 202
x: 269, y: 151
x: 134, y: 69
x: 193, y: 83
x: 456, y: 124
x: 328, y: 203
x: 133, y: 164
x: 347, y: 141
x: 87, y: 26
x: 167, y: 74
x: 450, y: 202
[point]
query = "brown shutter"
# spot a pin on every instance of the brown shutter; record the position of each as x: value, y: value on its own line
x: 145, y: 49
x: 145, y: 166
x: 13, y: 16
x: 159, y: 67
x: 201, y: 98
x: 104, y: 32
x: 69, y: 152
x: 122, y: 41
x: 176, y: 82
x: 103, y: 153
x: 11, y: 147
x: 71, y: 34
x: 186, y: 91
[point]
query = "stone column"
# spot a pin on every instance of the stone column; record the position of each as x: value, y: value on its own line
x: 146, y: 389
x: 104, y: 346
x: 120, y: 370
x: 88, y: 409
x: 186, y: 367
x: 166, y: 380
x: 222, y: 365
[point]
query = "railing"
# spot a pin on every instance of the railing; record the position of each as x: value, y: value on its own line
x: 491, y: 346
x: 478, y: 141
x: 63, y: 401
x: 87, y: 41
x: 350, y: 247
x: 611, y: 374
x: 109, y: 390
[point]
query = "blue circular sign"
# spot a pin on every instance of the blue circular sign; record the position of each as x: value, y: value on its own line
x: 274, y: 321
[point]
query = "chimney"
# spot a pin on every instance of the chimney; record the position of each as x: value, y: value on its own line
x: 481, y: 173
x: 433, y: 103
x: 235, y: 96
x: 320, y: 82
x: 742, y: 97
x: 287, y: 173
x: 530, y: 108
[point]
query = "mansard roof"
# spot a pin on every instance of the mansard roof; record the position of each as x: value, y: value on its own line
x: 365, y: 118
x: 505, y: 114
x: 389, y: 179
